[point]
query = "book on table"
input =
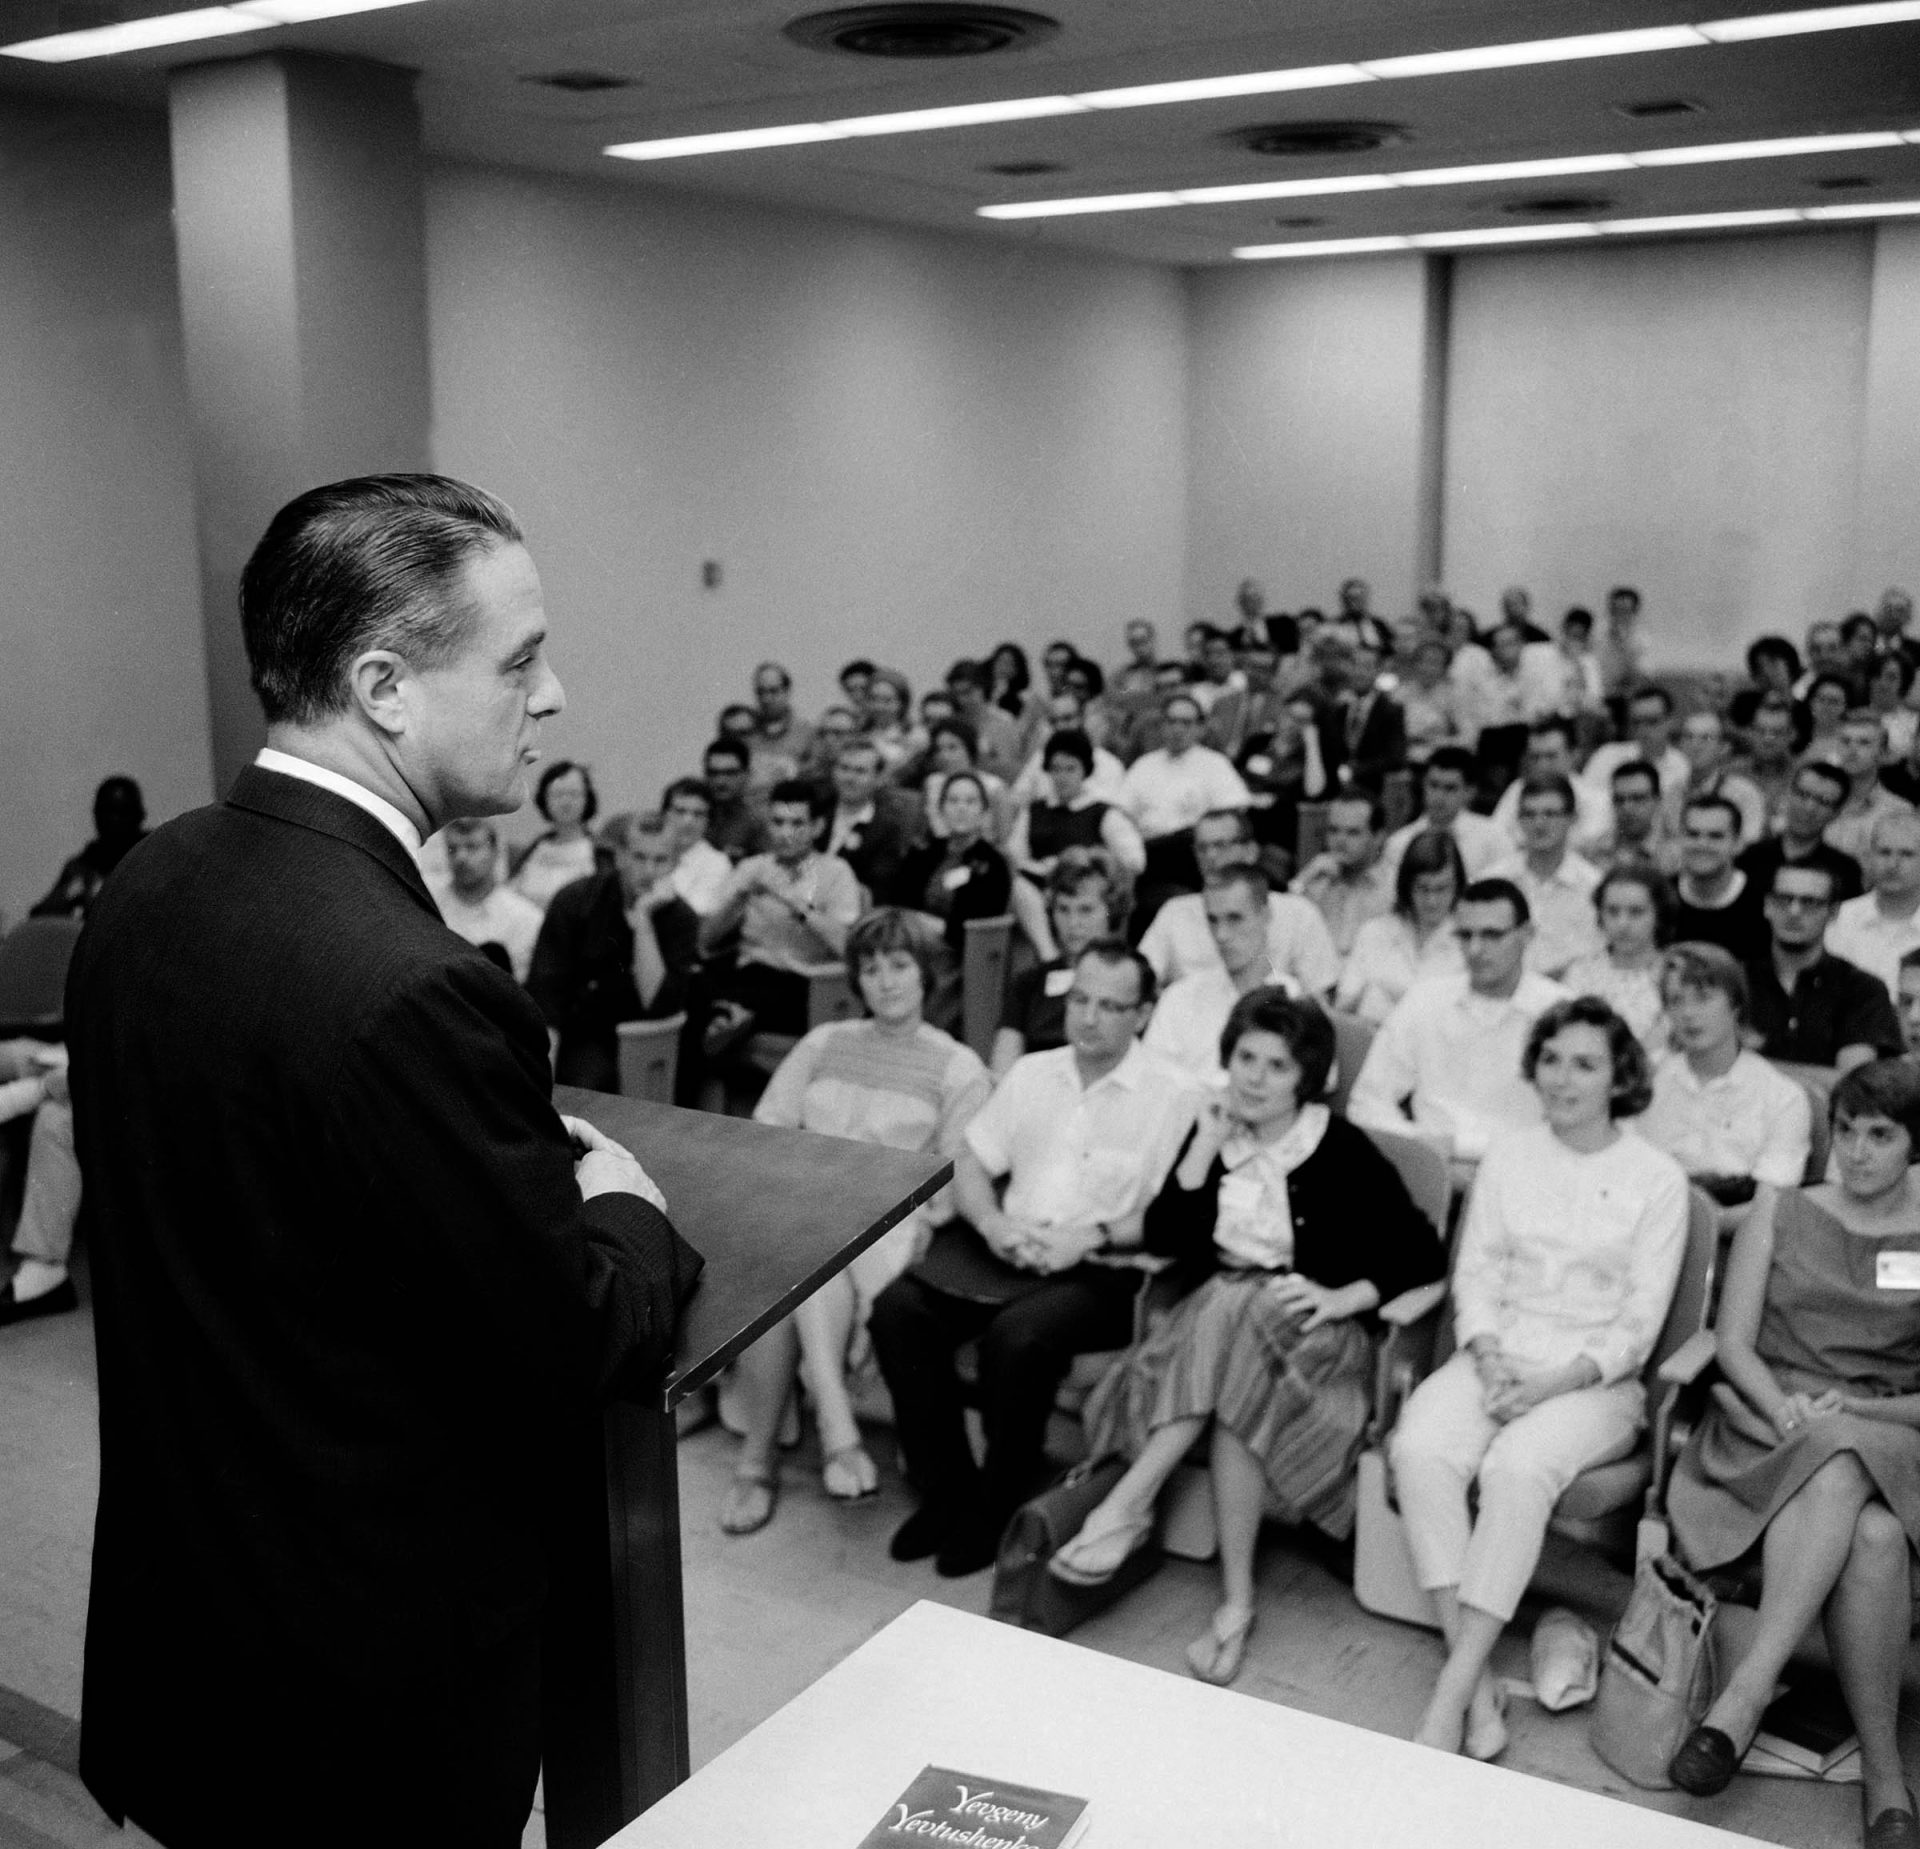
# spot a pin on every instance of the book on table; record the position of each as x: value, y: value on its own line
x: 1808, y: 1726
x: 964, y: 1810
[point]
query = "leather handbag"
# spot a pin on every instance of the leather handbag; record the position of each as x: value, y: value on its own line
x: 1658, y: 1679
x: 1024, y: 1592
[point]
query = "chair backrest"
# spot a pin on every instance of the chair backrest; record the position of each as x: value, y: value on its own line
x: 1352, y: 1036
x: 1424, y: 1168
x: 650, y: 1057
x: 1818, y: 1083
x: 830, y: 996
x: 1693, y: 1289
x: 1396, y: 798
x: 983, y: 980
x: 1312, y: 838
x: 33, y: 973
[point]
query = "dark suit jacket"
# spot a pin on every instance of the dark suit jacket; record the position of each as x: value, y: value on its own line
x: 1381, y: 746
x: 349, y: 1306
x: 877, y: 850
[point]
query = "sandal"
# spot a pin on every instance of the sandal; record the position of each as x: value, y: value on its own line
x: 1093, y: 1559
x: 751, y: 1499
x: 1489, y: 1741
x: 850, y: 1474
x: 1215, y: 1657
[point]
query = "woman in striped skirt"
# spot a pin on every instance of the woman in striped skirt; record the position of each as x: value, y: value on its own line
x: 1294, y: 1228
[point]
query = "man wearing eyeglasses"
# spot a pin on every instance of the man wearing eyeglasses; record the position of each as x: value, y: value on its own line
x: 1448, y: 1056
x: 1084, y: 1136
x: 1809, y: 1006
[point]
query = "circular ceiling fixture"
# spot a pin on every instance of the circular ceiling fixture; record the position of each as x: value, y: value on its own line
x: 921, y: 31
x: 1558, y: 205
x: 1283, y: 140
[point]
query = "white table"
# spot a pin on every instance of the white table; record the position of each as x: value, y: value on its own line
x: 1165, y: 1761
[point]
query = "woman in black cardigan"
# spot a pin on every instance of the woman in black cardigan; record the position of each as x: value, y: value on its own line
x: 1294, y: 1228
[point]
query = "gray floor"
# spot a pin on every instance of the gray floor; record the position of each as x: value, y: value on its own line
x: 766, y: 1615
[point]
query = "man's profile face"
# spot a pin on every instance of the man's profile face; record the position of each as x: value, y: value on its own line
x: 1218, y: 844
x: 472, y: 859
x: 790, y: 830
x: 473, y: 723
x: 1491, y: 943
x: 1708, y: 842
x: 1909, y: 1000
x: 856, y: 775
x: 1350, y: 835
x: 1235, y: 921
x: 1636, y: 800
x: 726, y: 776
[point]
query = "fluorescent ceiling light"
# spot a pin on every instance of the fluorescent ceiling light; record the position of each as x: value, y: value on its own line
x: 1499, y: 234
x: 1536, y: 51
x: 1514, y: 170
x: 1206, y: 89
x: 728, y: 142
x: 207, y: 22
x: 961, y: 115
x: 1703, y: 221
x: 1887, y: 208
x: 1486, y: 173
x: 1779, y: 148
x: 1324, y: 247
x: 1070, y: 208
x: 134, y: 35
x: 1816, y: 19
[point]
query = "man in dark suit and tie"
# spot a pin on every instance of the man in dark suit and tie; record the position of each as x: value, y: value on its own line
x: 872, y: 828
x: 357, y: 1286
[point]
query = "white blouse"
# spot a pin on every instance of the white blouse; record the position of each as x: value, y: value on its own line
x: 1386, y: 961
x: 1633, y: 994
x: 549, y: 865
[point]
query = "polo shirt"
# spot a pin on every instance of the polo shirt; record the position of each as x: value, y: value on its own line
x: 1751, y: 1120
x: 1564, y: 926
x: 1834, y: 1004
x: 1299, y: 944
x: 1453, y: 1056
x: 1866, y: 937
x: 1166, y: 794
x: 1078, y: 1154
x: 770, y: 932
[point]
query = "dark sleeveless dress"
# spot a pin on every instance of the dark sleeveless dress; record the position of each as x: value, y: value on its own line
x: 1826, y: 1323
x: 1052, y: 829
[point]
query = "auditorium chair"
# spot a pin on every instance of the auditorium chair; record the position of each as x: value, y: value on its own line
x: 1352, y: 1036
x: 1311, y: 836
x: 1603, y: 1507
x: 983, y: 980
x: 650, y: 1057
x: 33, y: 976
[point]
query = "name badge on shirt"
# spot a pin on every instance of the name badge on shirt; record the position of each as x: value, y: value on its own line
x: 956, y: 877
x: 1897, y: 1270
x: 1261, y: 766
x: 1059, y: 981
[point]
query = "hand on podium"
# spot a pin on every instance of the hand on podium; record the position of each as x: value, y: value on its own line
x: 604, y: 1167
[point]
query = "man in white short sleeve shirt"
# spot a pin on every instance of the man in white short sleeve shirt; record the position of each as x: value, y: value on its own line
x: 1084, y: 1136
x: 1167, y: 791
x: 1449, y: 1053
x: 1877, y: 929
x: 476, y: 906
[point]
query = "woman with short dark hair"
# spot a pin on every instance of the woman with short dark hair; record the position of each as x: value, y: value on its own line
x: 1573, y: 1239
x: 1634, y: 906
x: 1809, y: 1456
x: 1415, y: 940
x: 1294, y: 1227
x: 564, y: 851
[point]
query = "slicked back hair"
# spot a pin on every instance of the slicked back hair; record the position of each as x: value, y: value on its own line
x: 371, y: 563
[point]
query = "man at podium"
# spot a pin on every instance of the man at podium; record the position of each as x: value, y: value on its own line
x: 356, y: 1284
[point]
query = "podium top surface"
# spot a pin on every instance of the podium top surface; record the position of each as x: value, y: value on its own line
x: 1162, y: 1760
x: 773, y: 1212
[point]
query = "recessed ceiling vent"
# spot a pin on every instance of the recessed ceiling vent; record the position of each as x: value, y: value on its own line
x: 1298, y: 221
x: 1022, y: 170
x: 1659, y: 108
x: 1283, y: 140
x: 921, y: 31
x: 581, y: 83
x: 1844, y: 182
x: 1558, y: 205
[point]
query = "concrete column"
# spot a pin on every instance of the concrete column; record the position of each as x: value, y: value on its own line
x: 297, y: 197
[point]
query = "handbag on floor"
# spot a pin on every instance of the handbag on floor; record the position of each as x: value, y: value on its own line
x: 1658, y: 1679
x: 1024, y: 1592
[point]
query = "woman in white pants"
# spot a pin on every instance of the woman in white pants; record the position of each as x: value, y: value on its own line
x: 1567, y: 1263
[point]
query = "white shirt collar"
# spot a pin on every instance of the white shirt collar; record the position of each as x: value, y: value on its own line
x: 382, y: 811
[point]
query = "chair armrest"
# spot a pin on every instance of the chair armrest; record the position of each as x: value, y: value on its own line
x: 1411, y: 1306
x: 814, y: 972
x: 1689, y: 1361
x: 662, y: 1028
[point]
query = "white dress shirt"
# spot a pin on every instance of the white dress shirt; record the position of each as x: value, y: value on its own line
x: 1564, y: 926
x: 700, y: 877
x: 1387, y: 960
x: 382, y: 811
x: 503, y: 917
x: 1864, y: 934
x: 1165, y: 794
x: 1567, y: 1254
x: 1190, y: 1017
x: 1454, y: 1056
x: 1592, y: 815
x: 1299, y: 944
x: 1480, y: 839
x: 1078, y: 1154
x: 1751, y: 1120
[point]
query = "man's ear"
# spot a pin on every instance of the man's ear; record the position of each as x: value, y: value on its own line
x: 378, y: 680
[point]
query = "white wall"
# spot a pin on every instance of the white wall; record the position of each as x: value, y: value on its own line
x: 896, y: 445
x: 1306, y: 430
x: 1889, y: 550
x: 102, y: 668
x: 1684, y: 416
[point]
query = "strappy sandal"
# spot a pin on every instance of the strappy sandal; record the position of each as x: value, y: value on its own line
x: 752, y: 1497
x: 1093, y: 1559
x: 1215, y: 1656
x: 850, y: 1474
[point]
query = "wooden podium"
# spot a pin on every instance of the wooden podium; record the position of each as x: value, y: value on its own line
x: 774, y: 1213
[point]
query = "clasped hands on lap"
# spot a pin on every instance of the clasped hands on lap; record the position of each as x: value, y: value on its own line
x: 1512, y: 1388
